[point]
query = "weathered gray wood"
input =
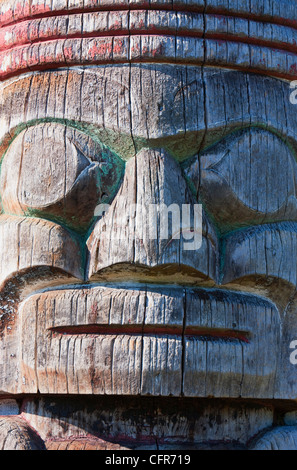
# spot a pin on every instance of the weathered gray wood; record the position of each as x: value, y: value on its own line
x: 181, y: 102
x: 31, y: 242
x: 136, y: 236
x: 9, y: 407
x: 65, y: 184
x: 282, y: 438
x: 160, y: 341
x: 239, y: 184
x: 284, y: 8
x: 15, y: 434
x: 149, y: 422
x: 157, y: 36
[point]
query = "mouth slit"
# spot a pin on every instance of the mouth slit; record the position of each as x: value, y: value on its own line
x: 202, y: 333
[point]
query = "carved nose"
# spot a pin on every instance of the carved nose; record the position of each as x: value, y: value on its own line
x: 134, y: 231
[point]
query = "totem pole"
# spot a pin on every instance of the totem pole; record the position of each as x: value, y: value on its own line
x: 114, y: 334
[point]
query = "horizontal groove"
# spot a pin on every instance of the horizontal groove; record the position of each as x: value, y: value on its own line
x: 281, y: 46
x: 268, y: 18
x: 51, y: 63
x: 53, y: 66
x: 202, y: 333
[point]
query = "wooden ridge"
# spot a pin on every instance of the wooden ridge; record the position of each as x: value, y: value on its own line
x: 38, y: 38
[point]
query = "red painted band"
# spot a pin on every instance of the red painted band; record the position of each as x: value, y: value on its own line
x: 148, y: 49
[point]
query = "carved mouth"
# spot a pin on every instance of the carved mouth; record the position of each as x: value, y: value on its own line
x: 202, y: 333
x: 146, y: 310
x: 148, y: 339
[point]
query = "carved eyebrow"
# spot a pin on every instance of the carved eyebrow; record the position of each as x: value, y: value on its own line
x: 276, y: 114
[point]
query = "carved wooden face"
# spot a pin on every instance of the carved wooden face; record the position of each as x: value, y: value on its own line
x: 98, y: 305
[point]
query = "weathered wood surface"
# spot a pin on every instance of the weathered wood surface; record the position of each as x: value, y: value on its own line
x: 15, y: 434
x: 149, y: 422
x: 124, y: 236
x: 176, y: 36
x: 282, y: 438
x: 83, y: 444
x: 66, y: 183
x: 160, y: 341
x: 146, y: 105
x: 129, y: 104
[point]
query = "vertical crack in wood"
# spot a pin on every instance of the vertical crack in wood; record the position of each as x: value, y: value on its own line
x: 204, y: 97
x: 183, y: 357
x: 242, y: 376
x: 142, y: 342
x: 35, y: 347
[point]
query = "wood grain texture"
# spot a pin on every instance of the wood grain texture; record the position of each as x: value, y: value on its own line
x: 15, y: 434
x: 160, y: 341
x: 227, y: 173
x: 123, y: 234
x: 283, y: 10
x: 83, y: 444
x: 29, y: 242
x: 66, y: 184
x: 165, y: 106
x: 269, y: 51
x: 149, y: 421
x: 282, y: 438
x: 136, y: 22
x: 113, y: 336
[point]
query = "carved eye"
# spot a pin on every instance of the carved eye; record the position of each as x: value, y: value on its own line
x: 247, y: 178
x: 57, y: 172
